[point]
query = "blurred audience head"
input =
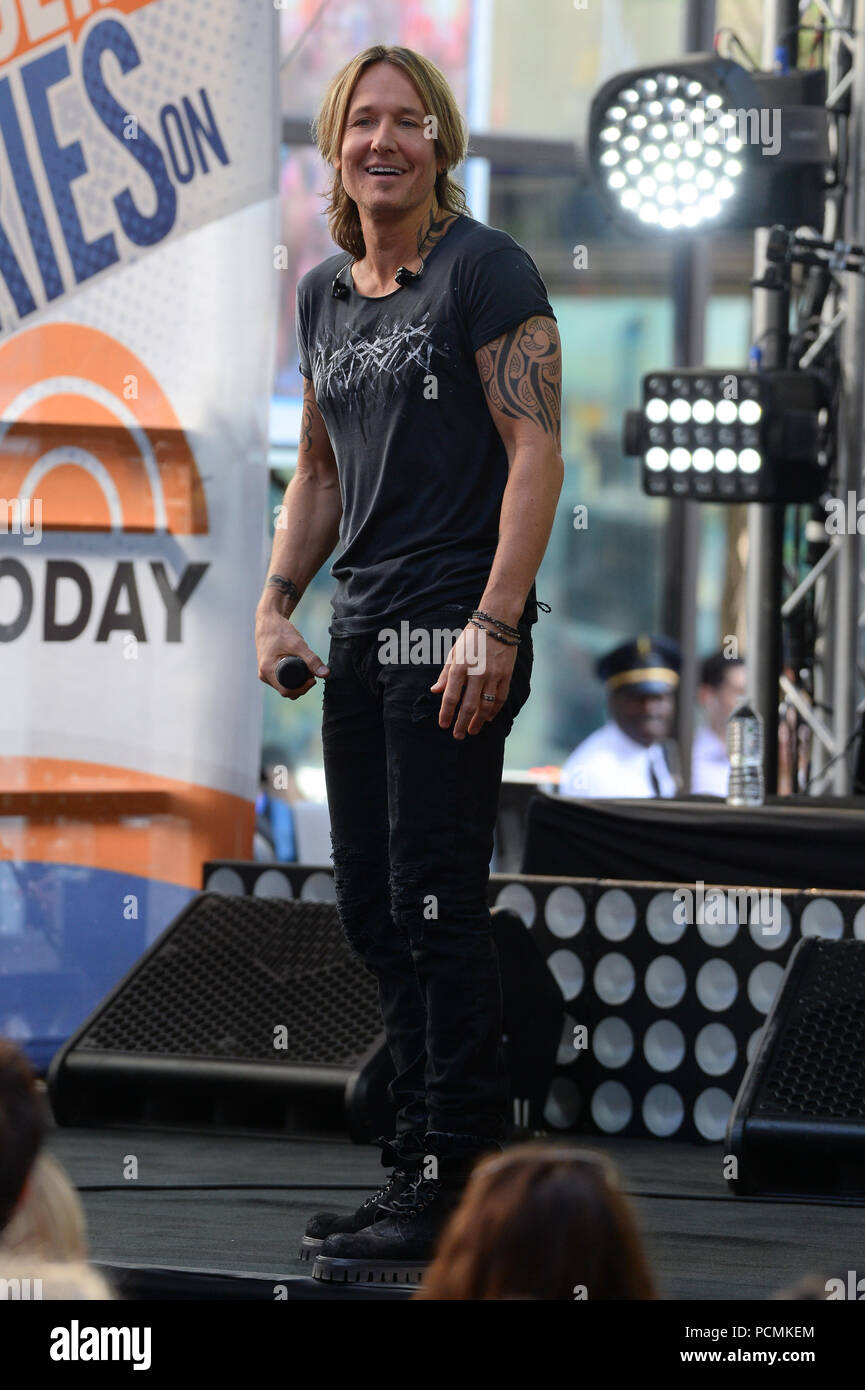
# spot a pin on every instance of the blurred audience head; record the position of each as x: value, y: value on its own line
x: 22, y: 1125
x: 541, y: 1222
x: 810, y: 1289
x: 721, y: 688
x: 49, y: 1220
x: 27, y: 1277
x: 645, y: 716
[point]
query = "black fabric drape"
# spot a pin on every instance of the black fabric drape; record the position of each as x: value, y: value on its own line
x: 791, y: 842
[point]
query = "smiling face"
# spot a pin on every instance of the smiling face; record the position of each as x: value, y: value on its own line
x: 384, y: 129
x: 645, y: 716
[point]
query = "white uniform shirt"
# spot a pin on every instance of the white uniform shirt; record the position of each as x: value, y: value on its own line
x: 609, y: 763
x: 710, y: 766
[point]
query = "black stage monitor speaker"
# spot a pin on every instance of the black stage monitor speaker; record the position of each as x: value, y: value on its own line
x: 254, y: 1013
x: 798, y: 1122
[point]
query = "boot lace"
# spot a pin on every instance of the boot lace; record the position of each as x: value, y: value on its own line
x: 384, y: 1189
x: 381, y: 1192
x: 415, y: 1198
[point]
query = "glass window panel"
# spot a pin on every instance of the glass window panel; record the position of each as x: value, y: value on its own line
x: 544, y: 74
x: 745, y: 18
x: 317, y: 40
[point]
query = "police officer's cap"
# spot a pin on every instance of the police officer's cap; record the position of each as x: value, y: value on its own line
x: 648, y: 664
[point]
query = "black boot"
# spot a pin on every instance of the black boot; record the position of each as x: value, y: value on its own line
x: 398, y: 1246
x: 403, y: 1154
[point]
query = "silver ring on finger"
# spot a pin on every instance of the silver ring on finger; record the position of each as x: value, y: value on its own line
x: 489, y: 697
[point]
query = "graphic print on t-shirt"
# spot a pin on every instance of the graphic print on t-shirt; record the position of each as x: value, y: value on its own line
x: 376, y: 360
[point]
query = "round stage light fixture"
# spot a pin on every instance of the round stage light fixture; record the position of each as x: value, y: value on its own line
x: 701, y: 127
x: 659, y: 129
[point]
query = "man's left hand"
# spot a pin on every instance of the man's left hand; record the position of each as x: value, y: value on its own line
x: 476, y: 666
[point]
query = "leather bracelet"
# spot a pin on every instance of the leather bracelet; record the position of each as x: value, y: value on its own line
x: 504, y: 627
x: 506, y: 641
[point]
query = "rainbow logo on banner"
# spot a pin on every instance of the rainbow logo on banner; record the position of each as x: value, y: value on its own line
x: 101, y: 452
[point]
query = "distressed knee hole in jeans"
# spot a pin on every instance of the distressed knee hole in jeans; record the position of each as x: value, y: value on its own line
x: 358, y: 895
x: 435, y: 916
x: 413, y: 897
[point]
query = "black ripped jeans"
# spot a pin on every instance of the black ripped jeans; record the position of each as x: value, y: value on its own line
x: 412, y: 813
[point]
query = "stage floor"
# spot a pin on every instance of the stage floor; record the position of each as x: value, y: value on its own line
x: 237, y: 1204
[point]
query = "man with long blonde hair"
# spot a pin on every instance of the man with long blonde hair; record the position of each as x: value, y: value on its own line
x: 430, y: 448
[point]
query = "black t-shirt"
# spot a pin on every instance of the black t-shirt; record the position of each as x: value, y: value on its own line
x: 422, y: 468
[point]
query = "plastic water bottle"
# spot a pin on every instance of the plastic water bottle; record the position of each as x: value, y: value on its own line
x: 745, y: 751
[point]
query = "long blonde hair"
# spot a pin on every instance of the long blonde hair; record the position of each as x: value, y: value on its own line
x: 451, y: 142
x: 63, y: 1281
x: 49, y: 1220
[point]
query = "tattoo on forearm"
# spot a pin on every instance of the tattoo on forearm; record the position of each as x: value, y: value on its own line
x: 522, y: 374
x: 284, y: 586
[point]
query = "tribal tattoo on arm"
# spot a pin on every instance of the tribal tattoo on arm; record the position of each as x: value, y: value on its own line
x: 285, y: 586
x: 305, y: 440
x: 308, y: 418
x: 521, y: 374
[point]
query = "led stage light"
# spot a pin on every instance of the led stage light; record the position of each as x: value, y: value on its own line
x: 732, y: 436
x: 702, y: 143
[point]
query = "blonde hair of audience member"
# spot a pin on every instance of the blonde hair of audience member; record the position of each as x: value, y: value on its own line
x: 541, y: 1221
x: 49, y: 1218
x: 60, y: 1281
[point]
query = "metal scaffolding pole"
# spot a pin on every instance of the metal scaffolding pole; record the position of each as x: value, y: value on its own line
x: 691, y: 286
x: 691, y: 282
x: 832, y: 601
x: 838, y: 14
x: 769, y: 332
x: 845, y: 578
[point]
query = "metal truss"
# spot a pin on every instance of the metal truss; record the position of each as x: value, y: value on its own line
x: 826, y: 582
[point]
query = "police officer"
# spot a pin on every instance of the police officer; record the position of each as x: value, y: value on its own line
x: 626, y: 758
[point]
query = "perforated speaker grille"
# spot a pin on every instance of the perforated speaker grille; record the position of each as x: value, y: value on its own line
x: 817, y: 1068
x: 230, y: 974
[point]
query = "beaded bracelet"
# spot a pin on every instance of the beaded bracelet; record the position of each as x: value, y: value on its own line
x: 504, y: 627
x: 506, y: 641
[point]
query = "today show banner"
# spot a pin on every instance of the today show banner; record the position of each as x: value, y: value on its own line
x: 139, y: 146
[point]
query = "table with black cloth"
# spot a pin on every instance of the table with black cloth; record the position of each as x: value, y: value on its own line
x: 790, y: 842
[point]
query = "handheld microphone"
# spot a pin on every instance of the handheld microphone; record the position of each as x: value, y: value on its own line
x: 292, y: 672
